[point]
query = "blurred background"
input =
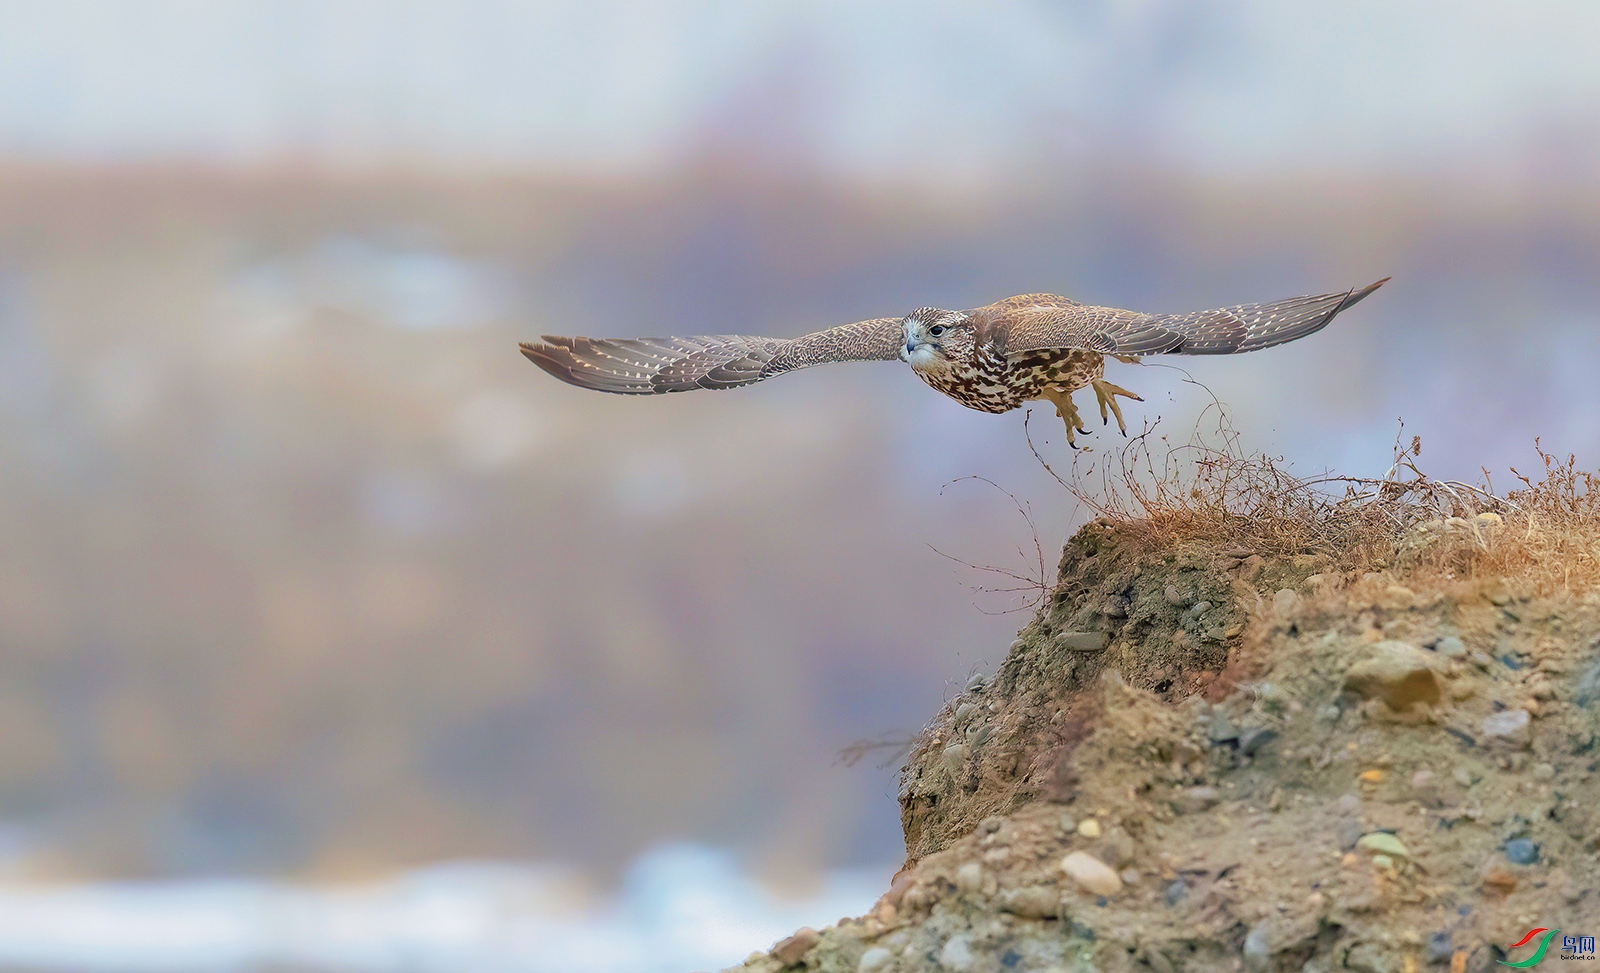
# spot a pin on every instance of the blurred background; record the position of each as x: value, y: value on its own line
x: 333, y: 635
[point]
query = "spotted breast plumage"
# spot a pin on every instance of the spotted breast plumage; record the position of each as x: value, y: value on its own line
x: 992, y: 358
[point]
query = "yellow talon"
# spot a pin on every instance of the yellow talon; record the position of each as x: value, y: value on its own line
x: 1068, y: 412
x: 1104, y: 393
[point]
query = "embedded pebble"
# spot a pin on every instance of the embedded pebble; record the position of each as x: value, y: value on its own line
x: 1588, y: 688
x: 790, y: 951
x: 957, y: 955
x: 1200, y: 608
x: 1440, y: 947
x: 1193, y: 800
x: 969, y: 877
x: 1174, y: 597
x: 1255, y: 739
x: 1451, y: 647
x: 963, y: 711
x: 1498, y: 879
x: 1462, y: 776
x: 1521, y: 851
x: 1285, y: 602
x: 1509, y: 725
x: 1349, y: 834
x: 1130, y: 876
x: 1258, y: 949
x: 1383, y: 843
x: 875, y: 959
x: 1082, y: 641
x: 1176, y: 892
x: 1543, y: 772
x: 954, y: 757
x: 1032, y: 902
x: 1398, y: 673
x: 1115, y: 848
x: 978, y: 681
x: 1091, y: 873
x: 1089, y: 828
x: 1220, y: 730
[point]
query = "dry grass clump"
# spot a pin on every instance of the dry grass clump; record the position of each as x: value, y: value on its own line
x: 1208, y: 491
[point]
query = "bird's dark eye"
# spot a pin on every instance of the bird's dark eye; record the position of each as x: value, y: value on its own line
x: 936, y: 330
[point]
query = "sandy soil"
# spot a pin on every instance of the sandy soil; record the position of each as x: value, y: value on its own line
x: 1206, y: 759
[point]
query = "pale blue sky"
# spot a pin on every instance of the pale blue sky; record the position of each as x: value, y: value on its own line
x: 931, y: 90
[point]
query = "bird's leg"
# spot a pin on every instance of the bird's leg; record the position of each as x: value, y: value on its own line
x: 1067, y: 411
x: 1105, y: 392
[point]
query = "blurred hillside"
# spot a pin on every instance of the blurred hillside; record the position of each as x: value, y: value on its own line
x: 303, y: 568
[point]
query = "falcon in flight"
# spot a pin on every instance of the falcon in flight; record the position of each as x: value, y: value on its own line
x: 994, y: 358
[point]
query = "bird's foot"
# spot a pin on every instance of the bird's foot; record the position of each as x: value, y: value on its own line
x: 1069, y: 413
x: 1105, y: 393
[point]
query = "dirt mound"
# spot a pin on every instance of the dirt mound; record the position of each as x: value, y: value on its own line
x: 1210, y: 753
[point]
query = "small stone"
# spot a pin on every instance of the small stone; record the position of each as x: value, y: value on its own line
x: 1130, y: 876
x: 1082, y: 641
x: 792, y: 950
x: 1089, y: 828
x: 1588, y: 688
x: 1219, y: 729
x: 954, y: 757
x: 1383, y: 843
x: 1349, y: 834
x: 1067, y: 824
x: 1193, y: 800
x: 957, y: 955
x: 978, y: 681
x: 1398, y: 673
x: 1383, y: 861
x: 1440, y: 947
x: 1091, y: 873
x: 1285, y: 602
x: 969, y: 877
x: 1257, y: 949
x: 1176, y: 892
x: 1463, y: 776
x: 1115, y: 848
x: 1373, y: 776
x: 1499, y: 879
x: 1158, y: 960
x: 875, y: 959
x: 1508, y: 726
x: 1200, y: 608
x: 1451, y: 647
x: 1521, y: 851
x: 1174, y: 597
x: 964, y: 711
x: 1421, y: 779
x: 1032, y: 902
x: 1255, y: 739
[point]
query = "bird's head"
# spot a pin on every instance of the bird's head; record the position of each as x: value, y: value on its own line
x: 935, y: 339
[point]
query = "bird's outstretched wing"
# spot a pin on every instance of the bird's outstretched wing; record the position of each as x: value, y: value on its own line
x: 650, y: 366
x: 1220, y: 331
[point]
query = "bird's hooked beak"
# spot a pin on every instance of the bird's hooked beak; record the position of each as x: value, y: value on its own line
x: 912, y: 343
